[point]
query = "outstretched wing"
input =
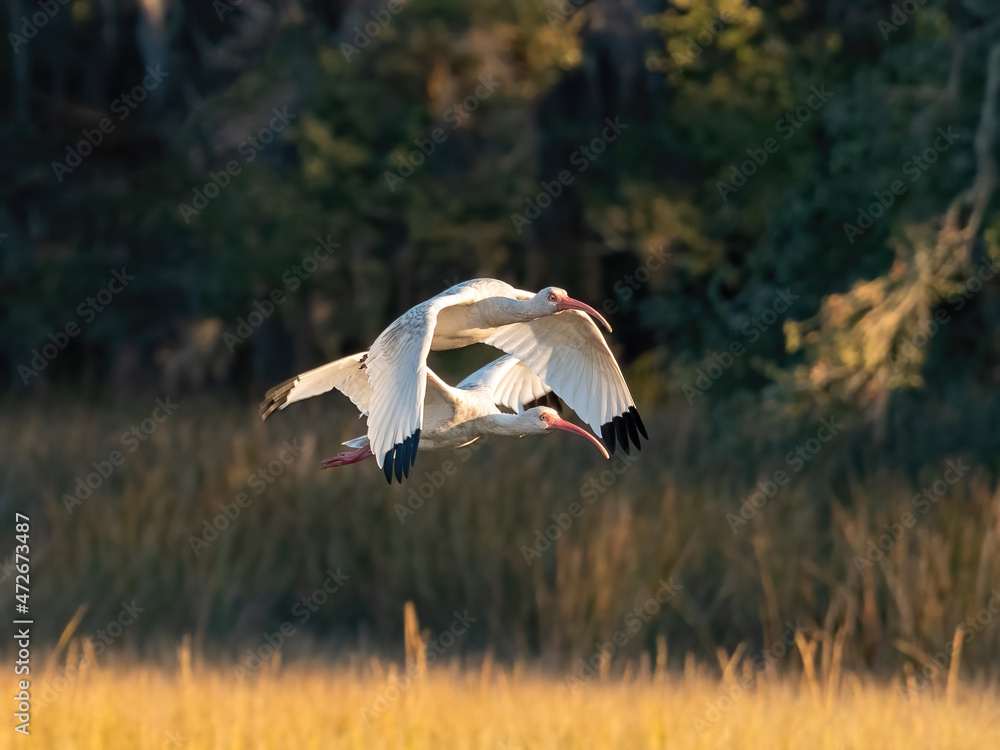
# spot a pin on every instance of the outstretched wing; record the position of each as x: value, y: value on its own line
x: 397, y: 372
x: 569, y: 354
x: 507, y: 382
x: 347, y: 375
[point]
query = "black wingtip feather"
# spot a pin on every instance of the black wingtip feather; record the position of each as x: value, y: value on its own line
x: 400, y: 458
x: 638, y: 422
x: 619, y: 423
x: 633, y: 431
x: 624, y: 430
x: 608, y: 433
x: 401, y: 461
x: 277, y: 397
x: 387, y: 466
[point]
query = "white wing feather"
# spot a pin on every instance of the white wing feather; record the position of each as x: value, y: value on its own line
x: 507, y: 382
x: 345, y: 374
x: 439, y: 407
x: 397, y: 371
x: 569, y: 354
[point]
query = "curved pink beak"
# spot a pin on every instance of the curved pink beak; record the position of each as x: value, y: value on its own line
x: 562, y: 424
x: 568, y: 303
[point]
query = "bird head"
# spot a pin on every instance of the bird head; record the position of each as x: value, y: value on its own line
x: 554, y: 300
x: 543, y: 419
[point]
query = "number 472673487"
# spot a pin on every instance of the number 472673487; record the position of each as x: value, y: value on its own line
x: 21, y: 553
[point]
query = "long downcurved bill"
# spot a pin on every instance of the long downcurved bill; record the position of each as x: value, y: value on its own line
x: 562, y: 424
x: 568, y: 303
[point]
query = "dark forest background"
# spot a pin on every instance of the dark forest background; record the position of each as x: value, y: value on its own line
x: 812, y: 183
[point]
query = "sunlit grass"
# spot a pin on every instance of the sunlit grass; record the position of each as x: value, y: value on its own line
x: 362, y: 701
x: 324, y: 706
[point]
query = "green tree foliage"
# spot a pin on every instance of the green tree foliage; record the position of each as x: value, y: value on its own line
x: 753, y: 141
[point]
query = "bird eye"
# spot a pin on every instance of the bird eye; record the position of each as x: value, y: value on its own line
x: 552, y: 297
x: 543, y: 417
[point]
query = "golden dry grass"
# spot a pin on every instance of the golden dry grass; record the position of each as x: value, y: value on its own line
x: 321, y: 706
x: 363, y: 702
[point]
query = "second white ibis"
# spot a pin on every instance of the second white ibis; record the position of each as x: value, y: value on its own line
x: 453, y: 417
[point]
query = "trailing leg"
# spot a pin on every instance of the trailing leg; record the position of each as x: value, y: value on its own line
x: 349, y: 457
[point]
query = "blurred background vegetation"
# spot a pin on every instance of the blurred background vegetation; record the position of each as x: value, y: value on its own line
x: 890, y: 332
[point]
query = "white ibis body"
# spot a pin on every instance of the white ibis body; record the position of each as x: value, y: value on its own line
x: 452, y: 417
x: 549, y: 332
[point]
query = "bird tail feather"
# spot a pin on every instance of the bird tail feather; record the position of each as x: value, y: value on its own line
x: 346, y: 375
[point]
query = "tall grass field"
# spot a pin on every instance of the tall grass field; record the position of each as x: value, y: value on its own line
x: 725, y: 588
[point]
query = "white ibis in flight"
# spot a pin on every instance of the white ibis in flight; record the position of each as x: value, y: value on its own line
x: 453, y: 417
x: 550, y: 332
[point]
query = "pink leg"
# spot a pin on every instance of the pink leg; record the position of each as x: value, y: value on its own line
x: 349, y: 457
